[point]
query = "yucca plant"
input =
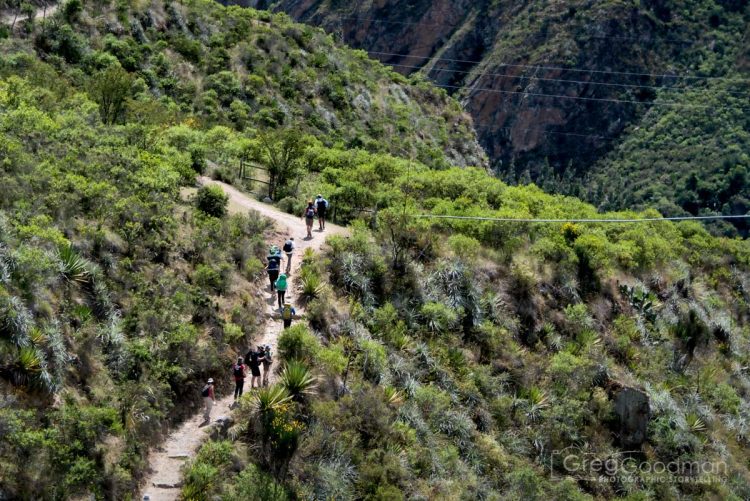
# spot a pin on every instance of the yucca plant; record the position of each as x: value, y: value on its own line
x: 30, y: 369
x: 297, y: 380
x: 311, y: 283
x: 694, y: 423
x: 74, y: 268
x: 270, y: 398
x: 537, y: 401
x: 392, y: 396
x: 588, y: 338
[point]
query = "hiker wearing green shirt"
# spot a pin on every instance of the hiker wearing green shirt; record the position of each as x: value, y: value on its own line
x: 281, y: 286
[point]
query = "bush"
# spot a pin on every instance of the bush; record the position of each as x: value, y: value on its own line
x: 212, y: 201
x: 298, y: 343
x: 214, y: 279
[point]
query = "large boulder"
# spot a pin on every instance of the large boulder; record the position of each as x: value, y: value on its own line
x: 633, y: 412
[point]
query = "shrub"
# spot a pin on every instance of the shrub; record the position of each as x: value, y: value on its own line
x: 298, y: 343
x: 466, y: 248
x: 212, y: 278
x: 232, y: 333
x: 212, y: 200
x: 254, y: 268
x: 252, y: 483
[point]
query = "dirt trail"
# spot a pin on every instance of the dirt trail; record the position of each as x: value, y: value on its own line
x: 7, y: 16
x: 166, y: 462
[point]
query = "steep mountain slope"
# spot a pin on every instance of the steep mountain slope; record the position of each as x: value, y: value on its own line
x: 117, y: 297
x: 439, y: 358
x: 615, y: 67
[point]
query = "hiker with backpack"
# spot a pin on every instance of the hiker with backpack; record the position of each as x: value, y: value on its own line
x: 274, y: 265
x: 309, y: 215
x: 287, y: 314
x: 289, y: 250
x: 239, y: 372
x: 281, y: 286
x: 267, y: 360
x: 208, y: 400
x: 252, y: 359
x: 321, y: 207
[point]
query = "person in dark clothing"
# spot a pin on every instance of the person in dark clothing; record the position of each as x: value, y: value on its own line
x: 253, y: 360
x: 273, y: 268
x: 239, y: 371
x: 321, y: 207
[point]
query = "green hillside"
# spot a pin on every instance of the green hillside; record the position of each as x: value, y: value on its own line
x: 438, y: 359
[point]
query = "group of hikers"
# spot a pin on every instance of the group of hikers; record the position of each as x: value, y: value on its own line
x: 254, y: 359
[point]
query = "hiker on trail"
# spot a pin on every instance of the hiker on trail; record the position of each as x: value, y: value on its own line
x: 208, y: 400
x: 309, y: 216
x: 267, y: 360
x: 252, y: 359
x: 274, y: 265
x: 289, y: 250
x: 239, y: 372
x: 321, y: 207
x: 281, y: 286
x: 287, y: 313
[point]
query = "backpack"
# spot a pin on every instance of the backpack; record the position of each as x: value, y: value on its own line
x: 238, y: 372
x: 322, y: 204
x: 288, y: 246
x: 310, y: 212
x: 268, y: 356
x: 286, y: 314
x: 204, y: 391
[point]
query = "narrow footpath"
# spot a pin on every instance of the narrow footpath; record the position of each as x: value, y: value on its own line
x: 166, y: 461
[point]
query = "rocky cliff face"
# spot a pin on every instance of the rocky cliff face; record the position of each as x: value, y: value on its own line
x: 501, y: 58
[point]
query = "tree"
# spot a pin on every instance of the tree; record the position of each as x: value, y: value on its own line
x: 283, y: 154
x: 110, y: 88
x: 212, y: 200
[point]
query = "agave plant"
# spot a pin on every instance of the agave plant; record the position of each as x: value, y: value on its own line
x: 297, y: 380
x: 74, y: 268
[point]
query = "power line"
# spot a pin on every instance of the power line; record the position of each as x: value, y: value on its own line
x: 579, y: 98
x: 532, y: 77
x: 544, y: 132
x: 561, y: 68
x: 573, y: 220
x: 598, y: 37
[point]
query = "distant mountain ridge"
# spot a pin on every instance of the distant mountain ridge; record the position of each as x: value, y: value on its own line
x: 600, y: 61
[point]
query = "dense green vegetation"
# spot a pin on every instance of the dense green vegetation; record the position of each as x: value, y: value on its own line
x: 461, y: 371
x: 108, y: 284
x: 440, y: 359
x: 118, y: 298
